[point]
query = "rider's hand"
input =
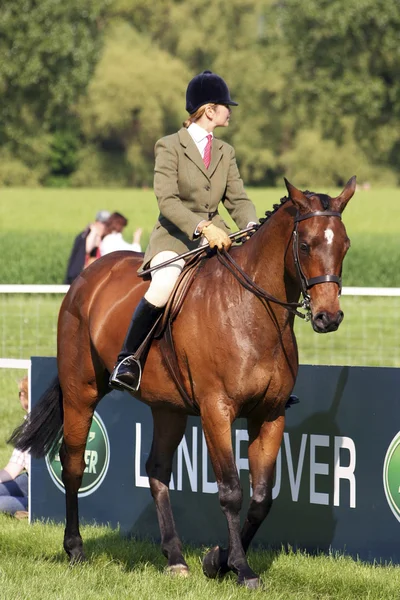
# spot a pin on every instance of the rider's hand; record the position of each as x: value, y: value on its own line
x: 216, y: 237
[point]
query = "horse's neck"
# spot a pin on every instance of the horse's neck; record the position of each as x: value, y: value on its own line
x: 264, y: 255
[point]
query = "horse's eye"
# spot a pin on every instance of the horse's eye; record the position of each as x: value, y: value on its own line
x: 305, y: 248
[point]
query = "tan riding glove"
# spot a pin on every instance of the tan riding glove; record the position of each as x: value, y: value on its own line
x: 216, y: 237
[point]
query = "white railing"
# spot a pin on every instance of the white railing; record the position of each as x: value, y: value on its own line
x: 14, y: 363
x: 63, y: 289
x: 33, y: 289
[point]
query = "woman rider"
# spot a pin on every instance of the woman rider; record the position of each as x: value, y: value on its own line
x: 193, y: 173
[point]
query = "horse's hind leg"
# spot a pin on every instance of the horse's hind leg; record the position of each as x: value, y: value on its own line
x: 78, y: 412
x: 217, y: 423
x: 169, y: 428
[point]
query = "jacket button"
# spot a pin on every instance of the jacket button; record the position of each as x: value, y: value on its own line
x: 206, y: 205
x: 207, y: 187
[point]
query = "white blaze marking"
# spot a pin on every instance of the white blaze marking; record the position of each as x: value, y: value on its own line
x: 329, y: 235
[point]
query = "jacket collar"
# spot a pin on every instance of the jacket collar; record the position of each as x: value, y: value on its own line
x: 193, y: 154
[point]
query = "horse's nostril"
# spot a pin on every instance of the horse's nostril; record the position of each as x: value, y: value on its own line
x: 321, y: 318
x: 325, y: 322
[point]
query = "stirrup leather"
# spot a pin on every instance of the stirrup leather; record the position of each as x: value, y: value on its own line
x: 132, y: 370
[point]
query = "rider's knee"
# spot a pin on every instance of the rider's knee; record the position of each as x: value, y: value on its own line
x: 163, y: 280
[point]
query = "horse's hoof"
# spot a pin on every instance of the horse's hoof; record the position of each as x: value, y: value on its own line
x: 76, y: 559
x: 178, y: 570
x: 215, y: 563
x: 252, y: 584
x: 73, y: 546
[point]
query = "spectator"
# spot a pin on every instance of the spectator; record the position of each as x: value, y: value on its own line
x: 86, y: 247
x: 14, y: 476
x: 113, y: 239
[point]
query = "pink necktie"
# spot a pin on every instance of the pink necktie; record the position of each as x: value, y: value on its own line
x: 207, y: 152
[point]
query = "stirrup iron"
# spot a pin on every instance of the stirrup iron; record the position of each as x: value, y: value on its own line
x: 133, y: 371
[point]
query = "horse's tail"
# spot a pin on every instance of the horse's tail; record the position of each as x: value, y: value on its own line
x: 42, y: 428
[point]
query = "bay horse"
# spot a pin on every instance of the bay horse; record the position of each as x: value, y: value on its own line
x: 237, y: 356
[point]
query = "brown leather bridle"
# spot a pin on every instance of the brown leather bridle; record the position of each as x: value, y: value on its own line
x: 305, y: 283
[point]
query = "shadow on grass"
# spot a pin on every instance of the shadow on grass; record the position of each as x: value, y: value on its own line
x: 136, y: 554
x: 43, y: 543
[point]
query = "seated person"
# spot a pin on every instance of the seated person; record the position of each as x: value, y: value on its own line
x: 14, y: 476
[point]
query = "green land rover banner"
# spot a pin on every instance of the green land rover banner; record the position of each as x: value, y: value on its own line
x: 337, y: 481
x: 97, y: 459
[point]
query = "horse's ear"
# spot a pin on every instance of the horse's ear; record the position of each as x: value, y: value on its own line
x: 299, y: 199
x: 339, y: 203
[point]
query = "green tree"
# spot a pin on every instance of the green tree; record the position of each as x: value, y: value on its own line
x: 317, y: 83
x: 345, y: 80
x: 48, y: 50
x: 228, y: 38
x: 135, y: 96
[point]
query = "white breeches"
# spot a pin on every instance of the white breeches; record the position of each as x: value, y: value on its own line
x: 164, y: 279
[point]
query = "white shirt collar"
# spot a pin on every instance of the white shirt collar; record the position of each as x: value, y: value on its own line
x: 198, y: 133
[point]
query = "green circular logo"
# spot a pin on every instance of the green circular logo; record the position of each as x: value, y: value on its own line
x: 97, y: 459
x: 391, y: 476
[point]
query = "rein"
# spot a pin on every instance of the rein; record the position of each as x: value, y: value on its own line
x: 248, y: 283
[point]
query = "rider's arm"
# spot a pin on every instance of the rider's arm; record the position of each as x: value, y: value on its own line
x: 236, y: 201
x: 14, y: 467
x: 167, y: 191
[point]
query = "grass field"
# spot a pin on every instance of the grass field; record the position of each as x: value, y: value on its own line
x: 33, y: 567
x: 39, y: 225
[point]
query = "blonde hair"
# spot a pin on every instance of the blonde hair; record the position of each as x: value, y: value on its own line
x: 23, y: 389
x: 198, y: 114
x: 23, y: 384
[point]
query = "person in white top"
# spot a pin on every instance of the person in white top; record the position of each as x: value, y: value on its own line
x: 113, y: 240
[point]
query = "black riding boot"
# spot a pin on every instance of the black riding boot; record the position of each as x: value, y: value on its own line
x: 127, y: 372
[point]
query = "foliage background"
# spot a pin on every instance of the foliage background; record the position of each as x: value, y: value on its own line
x: 87, y: 88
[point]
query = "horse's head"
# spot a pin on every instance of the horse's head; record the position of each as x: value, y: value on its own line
x: 320, y: 243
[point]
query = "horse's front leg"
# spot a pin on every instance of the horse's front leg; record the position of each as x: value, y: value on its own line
x: 264, y: 442
x: 265, y: 438
x: 216, y: 422
x: 169, y: 428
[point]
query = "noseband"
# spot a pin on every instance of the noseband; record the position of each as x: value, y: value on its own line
x: 305, y: 283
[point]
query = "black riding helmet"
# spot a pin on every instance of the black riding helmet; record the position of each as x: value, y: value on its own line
x: 207, y: 87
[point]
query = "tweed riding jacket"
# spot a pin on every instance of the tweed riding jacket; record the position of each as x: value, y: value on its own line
x: 187, y: 193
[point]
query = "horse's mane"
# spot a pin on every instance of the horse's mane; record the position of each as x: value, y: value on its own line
x: 325, y: 200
